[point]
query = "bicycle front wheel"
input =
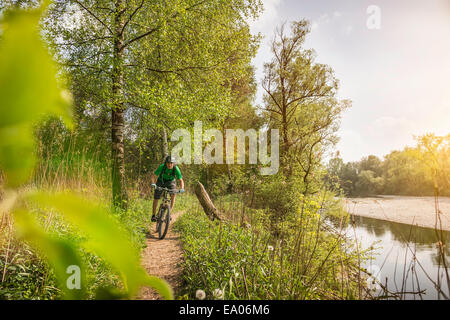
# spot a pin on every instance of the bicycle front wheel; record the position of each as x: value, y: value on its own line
x: 164, y: 222
x: 158, y: 218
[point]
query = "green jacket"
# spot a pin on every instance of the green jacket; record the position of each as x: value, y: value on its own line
x: 167, y: 174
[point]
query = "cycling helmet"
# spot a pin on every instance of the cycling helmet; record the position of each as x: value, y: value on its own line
x: 170, y: 159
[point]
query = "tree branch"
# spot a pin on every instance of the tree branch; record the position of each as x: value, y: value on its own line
x: 92, y: 14
x: 159, y: 27
x: 82, y: 42
x: 140, y: 36
x: 131, y: 16
x: 133, y: 105
x: 87, y: 66
x: 273, y: 98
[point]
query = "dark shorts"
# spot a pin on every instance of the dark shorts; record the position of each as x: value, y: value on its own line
x: 168, y: 184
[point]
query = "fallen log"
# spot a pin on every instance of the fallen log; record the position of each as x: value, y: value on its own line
x: 208, y: 206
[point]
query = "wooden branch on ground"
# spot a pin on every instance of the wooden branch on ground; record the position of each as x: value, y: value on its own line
x: 208, y: 207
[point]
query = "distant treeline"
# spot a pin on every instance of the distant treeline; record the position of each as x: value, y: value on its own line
x: 415, y: 171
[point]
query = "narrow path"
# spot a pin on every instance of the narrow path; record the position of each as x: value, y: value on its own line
x: 162, y: 258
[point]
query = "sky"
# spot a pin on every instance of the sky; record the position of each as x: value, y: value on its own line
x: 397, y: 76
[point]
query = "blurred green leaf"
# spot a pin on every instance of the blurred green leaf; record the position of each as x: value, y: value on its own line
x: 105, y: 238
x: 28, y: 90
x: 60, y: 253
x: 16, y: 153
x: 28, y: 84
x: 109, y: 293
x: 160, y: 285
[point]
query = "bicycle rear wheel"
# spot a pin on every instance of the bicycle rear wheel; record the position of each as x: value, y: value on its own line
x: 164, y: 222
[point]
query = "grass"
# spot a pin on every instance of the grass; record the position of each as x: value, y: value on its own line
x: 249, y: 262
x: 24, y: 275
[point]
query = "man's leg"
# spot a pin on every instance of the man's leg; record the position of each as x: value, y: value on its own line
x: 172, y: 185
x: 156, y: 197
x: 172, y: 201
x: 155, y: 205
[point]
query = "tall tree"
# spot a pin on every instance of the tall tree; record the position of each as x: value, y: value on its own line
x: 301, y: 100
x: 165, y: 60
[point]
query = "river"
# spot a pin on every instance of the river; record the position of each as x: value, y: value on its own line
x: 396, y: 244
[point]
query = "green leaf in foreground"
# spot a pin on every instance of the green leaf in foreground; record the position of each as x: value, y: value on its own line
x: 60, y: 253
x: 105, y: 238
x: 28, y: 90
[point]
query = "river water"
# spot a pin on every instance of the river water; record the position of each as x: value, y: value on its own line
x: 396, y: 244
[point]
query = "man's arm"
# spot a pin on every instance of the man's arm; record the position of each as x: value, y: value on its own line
x: 181, y: 183
x: 153, y: 178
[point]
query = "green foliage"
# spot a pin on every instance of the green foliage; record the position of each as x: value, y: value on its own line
x: 71, y: 159
x: 61, y: 253
x: 280, y: 196
x: 27, y: 276
x: 434, y: 151
x: 102, y: 236
x: 28, y: 89
x: 369, y: 184
x: 105, y: 238
x: 29, y: 76
x: 417, y: 171
x: 248, y: 262
x: 179, y: 62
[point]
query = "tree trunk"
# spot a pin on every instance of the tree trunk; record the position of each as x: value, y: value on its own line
x: 230, y: 179
x: 119, y: 191
x: 165, y: 144
x: 208, y: 207
x: 224, y: 143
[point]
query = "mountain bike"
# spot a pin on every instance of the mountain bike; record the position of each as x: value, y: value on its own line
x: 163, y: 214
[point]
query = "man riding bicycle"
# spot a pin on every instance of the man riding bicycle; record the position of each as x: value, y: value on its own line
x: 167, y: 174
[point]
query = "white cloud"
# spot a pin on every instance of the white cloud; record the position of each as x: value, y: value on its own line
x: 325, y: 19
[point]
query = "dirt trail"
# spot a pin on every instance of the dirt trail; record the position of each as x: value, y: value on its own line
x: 162, y: 258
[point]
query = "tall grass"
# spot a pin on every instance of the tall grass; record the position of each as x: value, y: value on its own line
x: 245, y: 260
x: 71, y: 160
x: 66, y: 161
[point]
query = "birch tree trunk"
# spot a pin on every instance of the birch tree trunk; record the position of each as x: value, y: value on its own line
x: 119, y: 191
x: 165, y: 144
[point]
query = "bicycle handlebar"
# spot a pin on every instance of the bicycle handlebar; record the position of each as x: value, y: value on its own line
x: 172, y: 191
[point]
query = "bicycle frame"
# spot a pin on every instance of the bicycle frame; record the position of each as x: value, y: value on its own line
x: 163, y: 214
x: 165, y: 192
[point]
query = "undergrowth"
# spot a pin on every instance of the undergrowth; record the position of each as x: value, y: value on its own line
x: 247, y: 261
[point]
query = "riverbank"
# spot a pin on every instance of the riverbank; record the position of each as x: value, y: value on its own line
x: 418, y: 211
